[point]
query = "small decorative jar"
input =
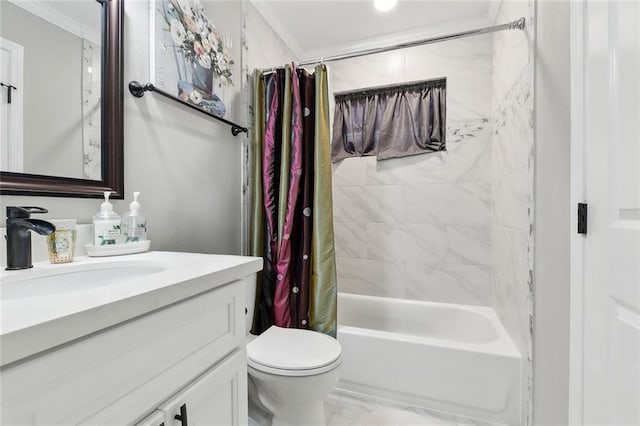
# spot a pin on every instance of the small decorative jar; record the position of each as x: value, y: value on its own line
x: 62, y: 242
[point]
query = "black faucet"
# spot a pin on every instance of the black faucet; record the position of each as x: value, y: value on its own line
x: 19, y: 223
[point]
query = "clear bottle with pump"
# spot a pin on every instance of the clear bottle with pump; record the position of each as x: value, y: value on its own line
x: 134, y: 224
x: 106, y: 224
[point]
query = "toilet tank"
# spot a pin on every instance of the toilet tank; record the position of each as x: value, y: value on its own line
x: 250, y: 299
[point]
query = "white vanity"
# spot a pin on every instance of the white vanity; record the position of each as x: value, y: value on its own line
x: 154, y: 338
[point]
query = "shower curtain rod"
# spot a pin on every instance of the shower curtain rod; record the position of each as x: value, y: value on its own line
x: 513, y: 25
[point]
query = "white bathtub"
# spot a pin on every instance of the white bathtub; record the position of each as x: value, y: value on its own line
x: 453, y: 358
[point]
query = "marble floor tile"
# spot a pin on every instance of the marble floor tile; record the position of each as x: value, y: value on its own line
x: 330, y: 404
x: 353, y: 409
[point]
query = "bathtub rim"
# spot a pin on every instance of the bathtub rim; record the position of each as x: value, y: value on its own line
x: 503, y: 345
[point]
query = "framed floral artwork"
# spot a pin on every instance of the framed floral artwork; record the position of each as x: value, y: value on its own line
x: 191, y: 57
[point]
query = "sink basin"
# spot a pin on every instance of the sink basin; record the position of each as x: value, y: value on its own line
x: 74, y: 278
x: 64, y: 302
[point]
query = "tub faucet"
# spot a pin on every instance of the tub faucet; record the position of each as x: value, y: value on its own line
x: 19, y: 223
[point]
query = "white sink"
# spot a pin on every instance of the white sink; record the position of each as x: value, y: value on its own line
x: 74, y: 278
x: 60, y: 303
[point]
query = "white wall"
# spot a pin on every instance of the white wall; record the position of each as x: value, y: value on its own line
x: 418, y: 227
x: 552, y: 215
x: 187, y: 166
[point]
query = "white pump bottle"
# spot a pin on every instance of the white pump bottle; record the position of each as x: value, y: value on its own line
x: 134, y: 224
x: 106, y: 224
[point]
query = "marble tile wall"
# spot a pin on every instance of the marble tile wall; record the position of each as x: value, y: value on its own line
x: 512, y: 182
x: 419, y: 227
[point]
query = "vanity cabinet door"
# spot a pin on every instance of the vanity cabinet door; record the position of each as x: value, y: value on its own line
x: 217, y: 398
x: 154, y: 419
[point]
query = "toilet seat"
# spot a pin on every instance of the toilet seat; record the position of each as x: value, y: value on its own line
x: 293, y: 352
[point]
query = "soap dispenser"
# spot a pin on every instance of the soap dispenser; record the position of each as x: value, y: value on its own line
x: 106, y: 224
x: 134, y: 224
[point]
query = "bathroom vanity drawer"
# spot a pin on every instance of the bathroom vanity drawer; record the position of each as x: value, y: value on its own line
x: 218, y: 396
x: 70, y: 384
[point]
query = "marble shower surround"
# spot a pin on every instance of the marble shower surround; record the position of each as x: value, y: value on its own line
x: 512, y: 185
x: 419, y: 227
x: 468, y: 210
x: 455, y: 226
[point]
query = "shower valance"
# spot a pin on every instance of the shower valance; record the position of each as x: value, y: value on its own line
x: 390, y: 121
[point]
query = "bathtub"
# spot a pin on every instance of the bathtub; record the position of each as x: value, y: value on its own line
x: 453, y: 358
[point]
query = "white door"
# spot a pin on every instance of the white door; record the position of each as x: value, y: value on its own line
x: 611, y: 249
x: 11, y: 131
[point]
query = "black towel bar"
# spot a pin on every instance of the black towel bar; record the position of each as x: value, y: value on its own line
x: 137, y: 89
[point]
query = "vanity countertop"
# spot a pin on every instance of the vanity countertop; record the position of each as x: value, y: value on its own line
x: 50, y: 305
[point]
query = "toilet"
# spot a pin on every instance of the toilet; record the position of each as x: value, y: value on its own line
x: 291, y: 371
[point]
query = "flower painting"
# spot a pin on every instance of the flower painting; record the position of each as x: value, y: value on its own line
x: 191, y: 56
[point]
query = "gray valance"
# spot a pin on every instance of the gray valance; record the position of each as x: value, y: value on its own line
x: 390, y: 121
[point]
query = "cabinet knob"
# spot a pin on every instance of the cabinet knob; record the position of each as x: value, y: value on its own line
x: 182, y: 416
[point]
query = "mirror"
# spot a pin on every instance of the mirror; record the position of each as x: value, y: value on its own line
x: 51, y: 129
x: 72, y: 134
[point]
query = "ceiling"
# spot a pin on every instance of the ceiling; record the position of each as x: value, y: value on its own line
x: 316, y: 28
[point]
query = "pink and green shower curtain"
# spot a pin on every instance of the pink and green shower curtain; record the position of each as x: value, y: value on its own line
x: 292, y: 213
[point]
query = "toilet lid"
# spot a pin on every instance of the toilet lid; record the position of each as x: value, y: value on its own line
x: 291, y: 349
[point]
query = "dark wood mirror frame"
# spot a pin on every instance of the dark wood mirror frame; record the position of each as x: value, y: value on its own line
x: 112, y: 126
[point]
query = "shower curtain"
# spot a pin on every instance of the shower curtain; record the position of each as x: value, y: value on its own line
x: 292, y: 210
